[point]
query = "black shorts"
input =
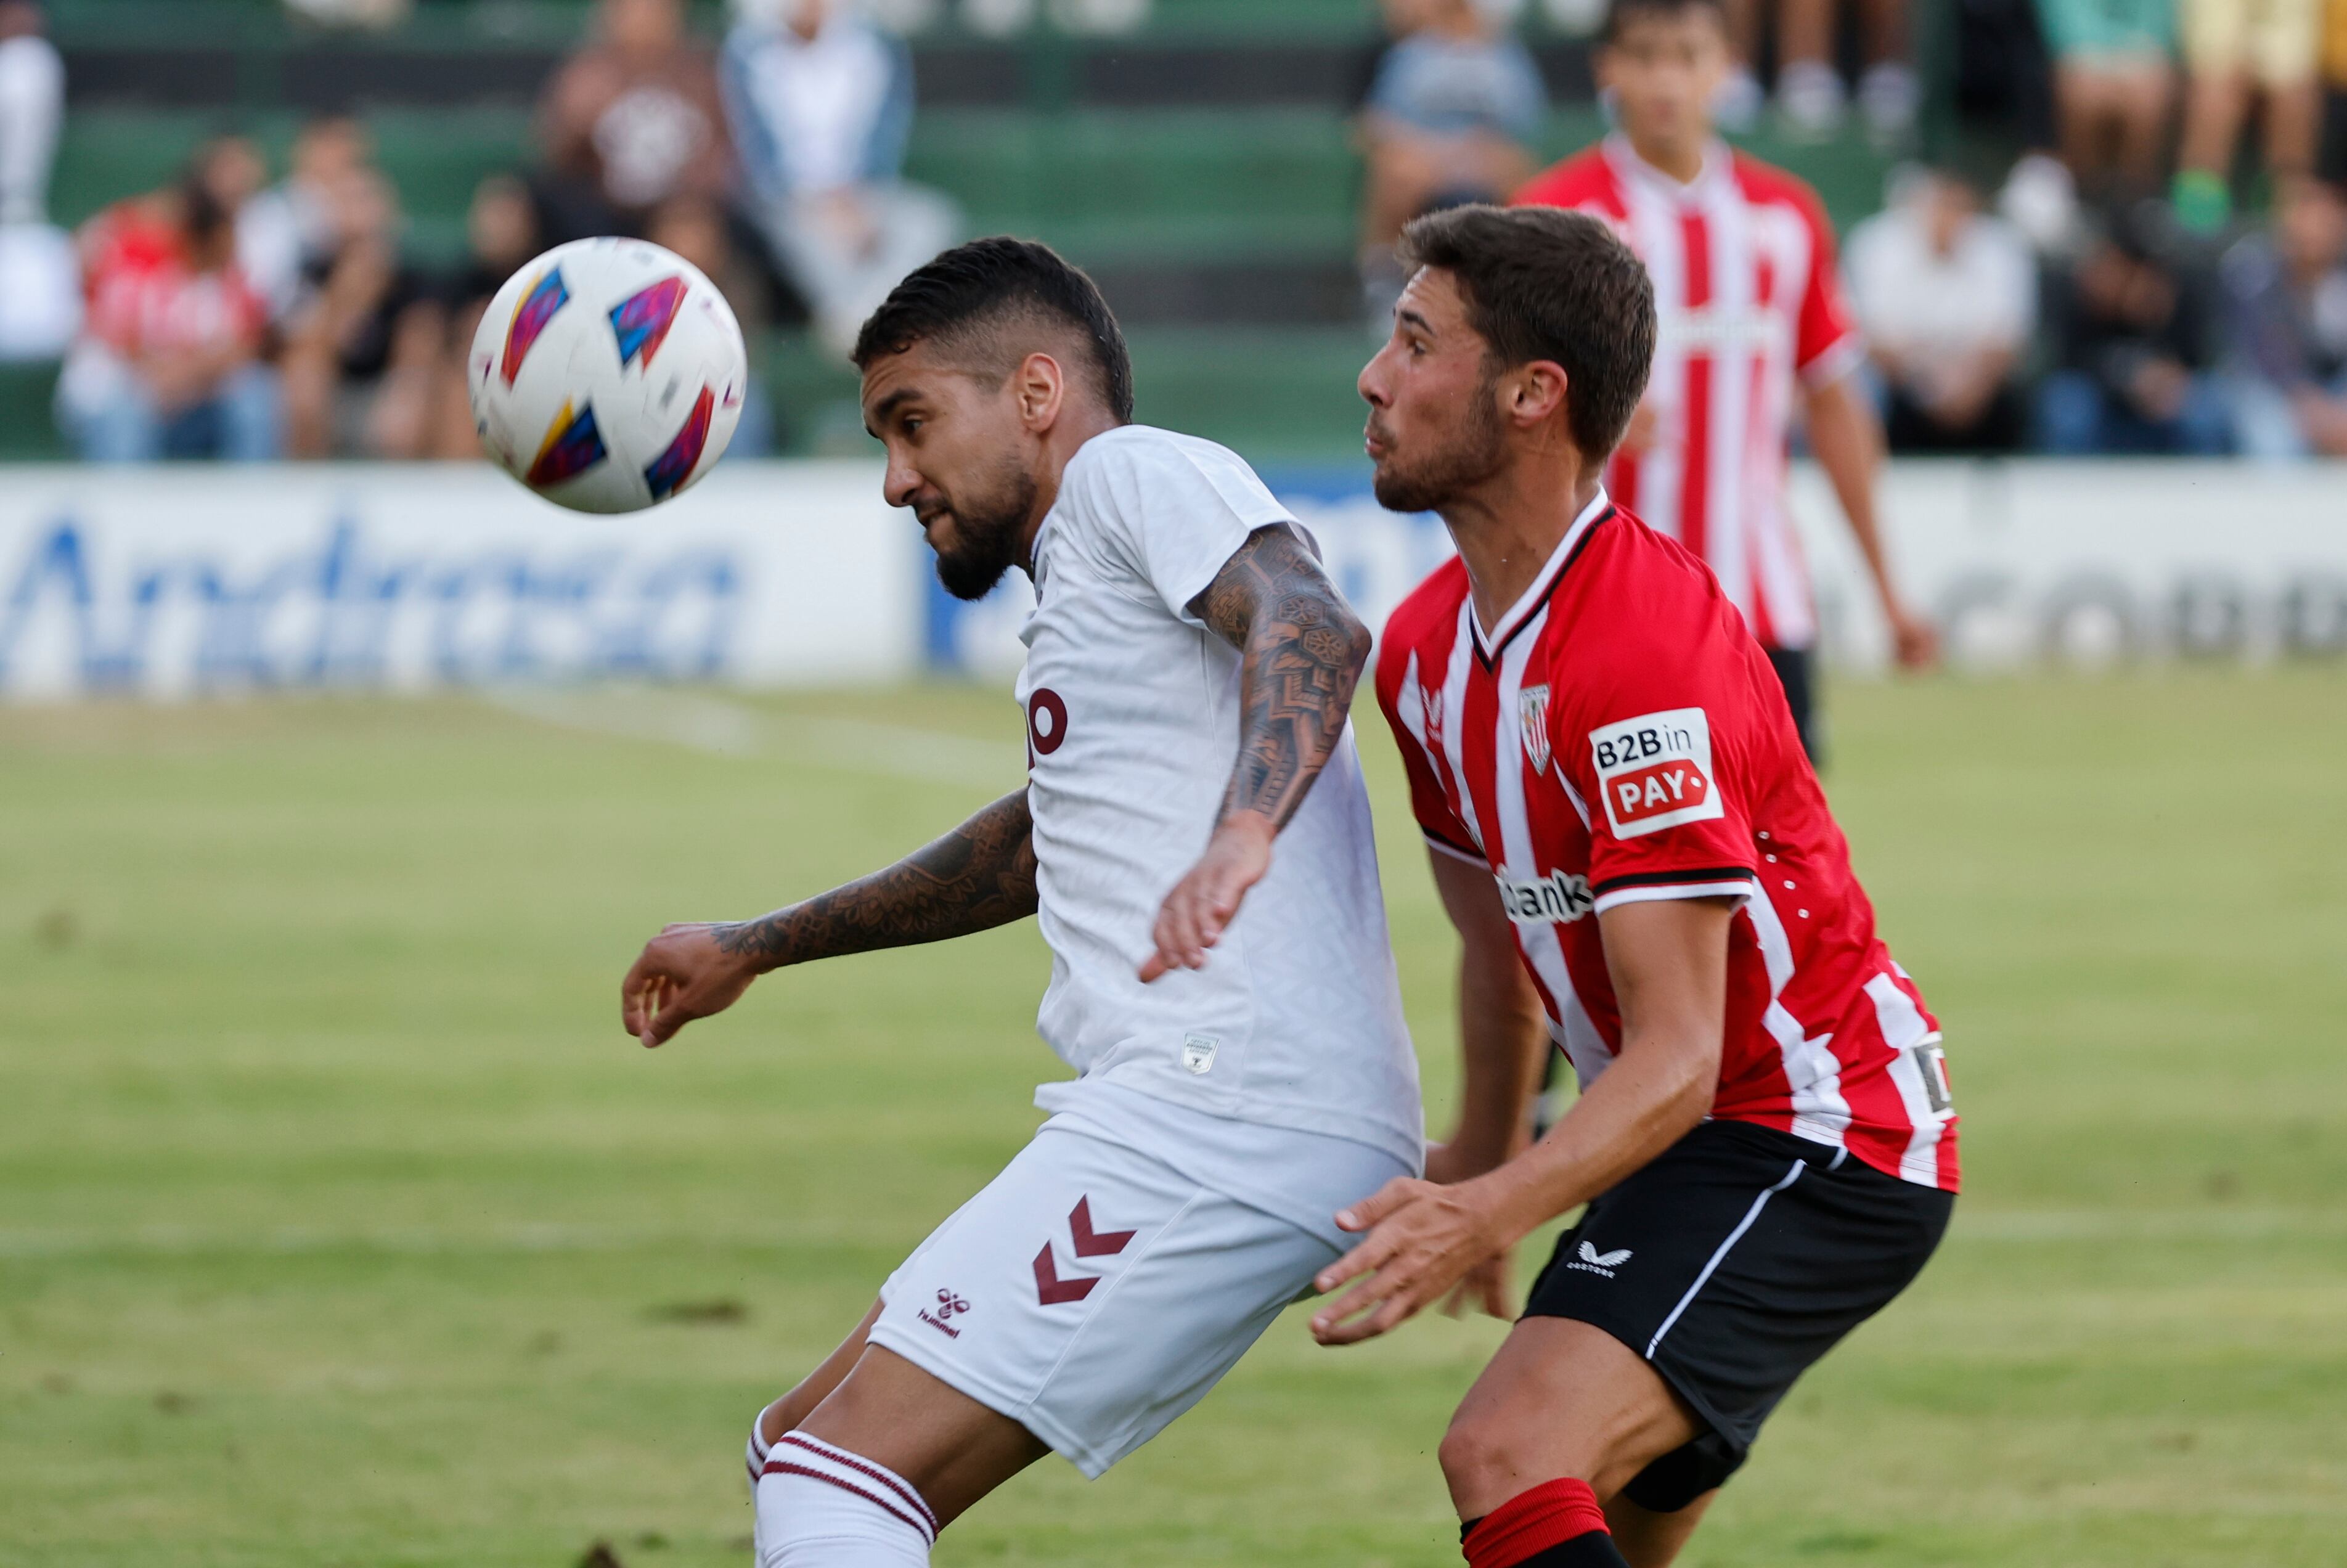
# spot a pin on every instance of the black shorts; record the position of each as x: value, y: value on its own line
x: 1733, y: 1263
x: 1797, y: 672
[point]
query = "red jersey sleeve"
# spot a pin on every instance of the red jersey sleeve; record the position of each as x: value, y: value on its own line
x: 1658, y: 756
x: 1826, y: 344
x: 1403, y: 701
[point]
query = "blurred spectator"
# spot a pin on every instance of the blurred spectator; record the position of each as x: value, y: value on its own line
x: 2040, y: 200
x: 286, y: 234
x: 694, y: 228
x: 2112, y: 84
x: 2235, y: 50
x: 821, y: 106
x: 169, y: 362
x: 1947, y: 299
x: 2286, y: 302
x: 501, y: 234
x: 630, y: 121
x: 1453, y: 106
x: 2130, y: 329
x: 1810, y: 98
x: 363, y: 352
x: 40, y: 285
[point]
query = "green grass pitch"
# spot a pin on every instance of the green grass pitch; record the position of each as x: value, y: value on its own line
x: 339, y: 1223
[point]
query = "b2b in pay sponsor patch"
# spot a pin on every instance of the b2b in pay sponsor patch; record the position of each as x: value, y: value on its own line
x: 1655, y: 771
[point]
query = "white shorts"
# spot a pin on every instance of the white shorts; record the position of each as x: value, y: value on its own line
x: 1092, y: 1293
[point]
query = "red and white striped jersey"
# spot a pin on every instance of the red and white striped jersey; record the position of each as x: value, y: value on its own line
x: 1747, y: 299
x: 1619, y: 737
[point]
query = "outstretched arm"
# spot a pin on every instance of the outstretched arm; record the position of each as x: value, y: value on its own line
x: 980, y: 876
x: 1304, y: 650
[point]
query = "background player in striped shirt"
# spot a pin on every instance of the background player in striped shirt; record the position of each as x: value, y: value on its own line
x: 1752, y: 325
x: 1642, y: 870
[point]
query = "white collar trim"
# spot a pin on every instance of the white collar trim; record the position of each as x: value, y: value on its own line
x: 1522, y: 610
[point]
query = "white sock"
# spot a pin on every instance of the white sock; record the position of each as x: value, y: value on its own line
x: 756, y: 1455
x: 821, y: 1507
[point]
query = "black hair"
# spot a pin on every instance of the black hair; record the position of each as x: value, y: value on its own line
x: 967, y: 293
x: 1541, y: 282
x: 202, y: 215
x: 1622, y: 13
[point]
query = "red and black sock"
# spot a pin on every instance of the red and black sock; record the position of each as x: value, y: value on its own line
x: 1557, y: 1524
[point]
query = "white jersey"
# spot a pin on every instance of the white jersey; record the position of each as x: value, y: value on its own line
x: 1133, y: 716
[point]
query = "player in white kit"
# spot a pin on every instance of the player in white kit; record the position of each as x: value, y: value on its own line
x: 1188, y: 677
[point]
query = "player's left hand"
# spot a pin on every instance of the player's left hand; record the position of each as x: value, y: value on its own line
x: 1423, y: 1239
x: 1914, y: 642
x: 1201, y: 906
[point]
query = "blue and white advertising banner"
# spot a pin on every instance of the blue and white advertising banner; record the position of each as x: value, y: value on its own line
x: 189, y: 582
x: 179, y: 582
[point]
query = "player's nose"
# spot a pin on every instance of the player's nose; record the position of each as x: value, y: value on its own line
x: 900, y: 484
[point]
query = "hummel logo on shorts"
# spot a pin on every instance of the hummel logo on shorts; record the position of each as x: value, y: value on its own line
x: 948, y: 1304
x: 1592, y: 1261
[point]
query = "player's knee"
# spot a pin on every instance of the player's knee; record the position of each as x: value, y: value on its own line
x: 1475, y: 1455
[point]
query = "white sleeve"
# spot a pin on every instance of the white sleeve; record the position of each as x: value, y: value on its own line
x: 1173, y: 512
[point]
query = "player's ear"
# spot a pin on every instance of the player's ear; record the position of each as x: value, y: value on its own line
x: 1039, y: 386
x: 1538, y: 394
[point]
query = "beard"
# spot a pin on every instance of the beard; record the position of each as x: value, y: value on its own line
x: 1473, y: 454
x: 986, y: 534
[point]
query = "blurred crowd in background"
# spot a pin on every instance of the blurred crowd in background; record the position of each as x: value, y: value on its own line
x: 2152, y: 258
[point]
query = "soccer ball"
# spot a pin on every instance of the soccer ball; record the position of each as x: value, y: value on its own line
x: 608, y: 375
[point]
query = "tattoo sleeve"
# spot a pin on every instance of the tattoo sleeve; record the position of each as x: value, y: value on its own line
x: 978, y: 876
x: 1303, y: 652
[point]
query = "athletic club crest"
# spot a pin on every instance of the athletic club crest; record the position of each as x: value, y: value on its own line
x: 1531, y: 716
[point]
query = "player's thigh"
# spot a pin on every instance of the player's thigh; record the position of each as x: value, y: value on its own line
x: 1092, y: 1293
x: 1562, y: 1398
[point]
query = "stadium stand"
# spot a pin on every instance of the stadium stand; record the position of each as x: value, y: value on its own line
x: 1201, y: 167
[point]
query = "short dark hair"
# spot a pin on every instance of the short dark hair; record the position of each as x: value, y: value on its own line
x: 1545, y: 283
x: 1622, y: 13
x: 971, y: 292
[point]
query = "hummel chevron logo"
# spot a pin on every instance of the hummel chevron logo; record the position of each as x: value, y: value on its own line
x: 1090, y: 1242
x: 1050, y: 1289
x: 1592, y: 1261
x: 1053, y: 1290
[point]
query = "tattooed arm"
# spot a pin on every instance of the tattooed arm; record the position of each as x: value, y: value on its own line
x: 980, y: 876
x: 1304, y: 650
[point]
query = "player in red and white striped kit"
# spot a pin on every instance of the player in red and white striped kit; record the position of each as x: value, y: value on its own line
x: 1637, y: 857
x: 1753, y: 330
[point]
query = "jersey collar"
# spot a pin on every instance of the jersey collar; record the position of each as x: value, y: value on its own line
x: 1717, y: 163
x: 1490, y: 648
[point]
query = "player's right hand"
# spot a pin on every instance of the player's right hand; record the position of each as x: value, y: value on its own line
x: 683, y: 974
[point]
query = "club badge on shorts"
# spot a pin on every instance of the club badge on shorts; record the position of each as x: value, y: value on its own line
x: 1532, y: 717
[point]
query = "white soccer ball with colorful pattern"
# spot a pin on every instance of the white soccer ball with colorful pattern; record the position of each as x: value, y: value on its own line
x: 608, y: 375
